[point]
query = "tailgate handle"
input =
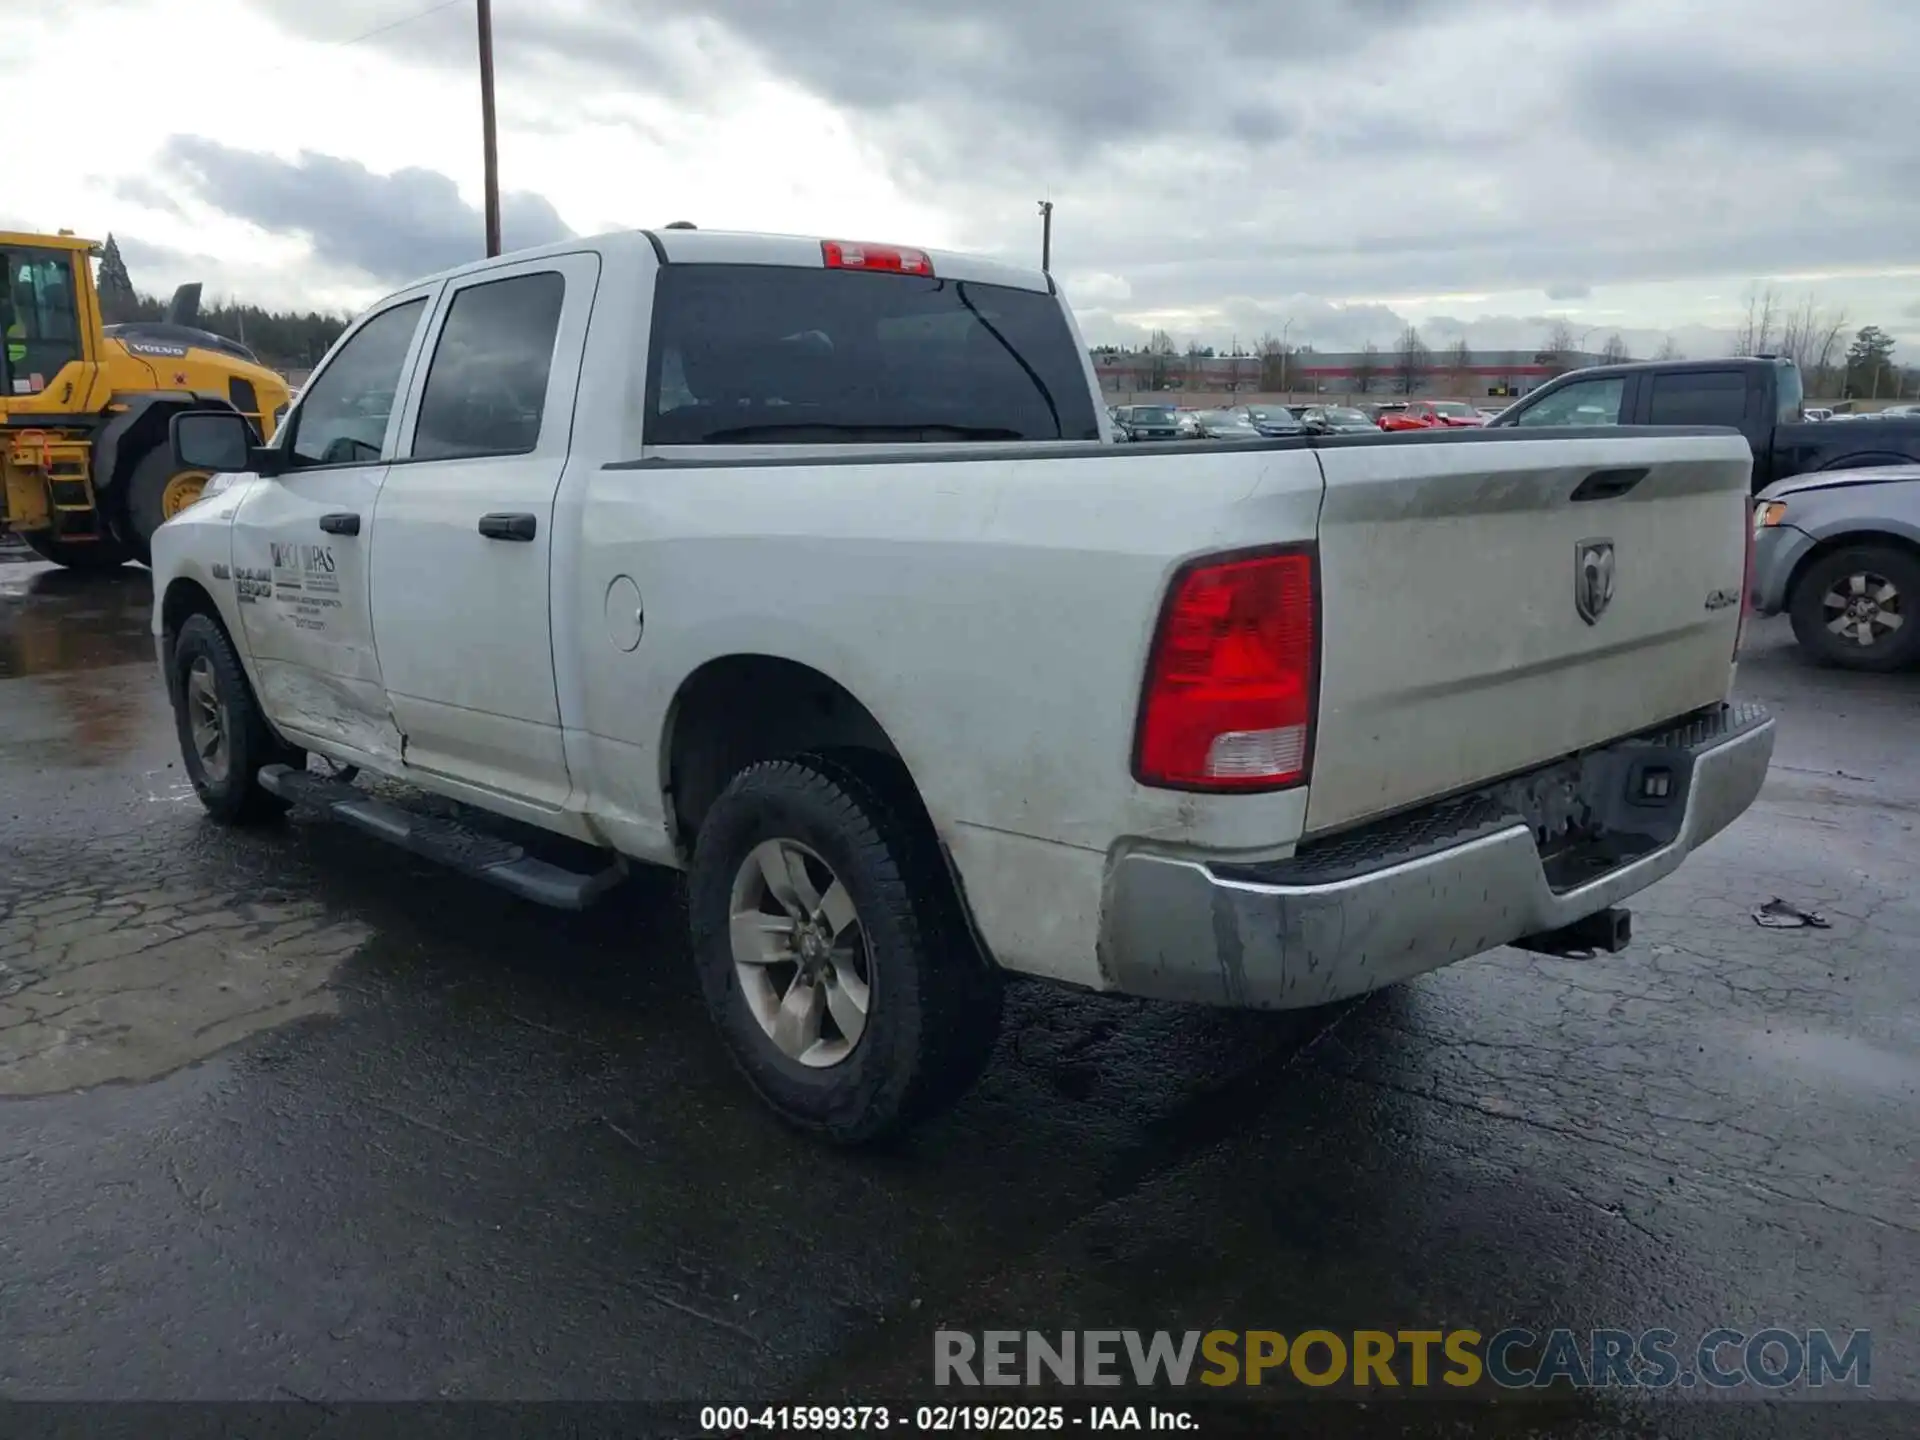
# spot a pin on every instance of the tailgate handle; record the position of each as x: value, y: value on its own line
x: 1608, y: 484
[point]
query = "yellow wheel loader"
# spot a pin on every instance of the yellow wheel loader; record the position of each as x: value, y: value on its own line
x: 86, y: 470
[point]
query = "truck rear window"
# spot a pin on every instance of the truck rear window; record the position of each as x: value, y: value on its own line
x: 760, y: 355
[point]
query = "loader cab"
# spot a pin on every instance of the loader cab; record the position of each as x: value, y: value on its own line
x: 39, y: 318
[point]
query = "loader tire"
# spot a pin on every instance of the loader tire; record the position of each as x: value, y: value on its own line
x: 156, y: 490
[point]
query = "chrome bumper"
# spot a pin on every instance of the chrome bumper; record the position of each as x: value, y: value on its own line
x: 1394, y: 900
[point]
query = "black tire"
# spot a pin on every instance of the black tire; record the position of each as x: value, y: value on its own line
x: 235, y: 796
x: 87, y: 556
x: 146, y: 486
x: 1831, y: 574
x: 934, y: 1008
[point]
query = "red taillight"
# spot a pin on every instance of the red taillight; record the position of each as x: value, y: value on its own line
x: 1229, y: 693
x: 846, y: 255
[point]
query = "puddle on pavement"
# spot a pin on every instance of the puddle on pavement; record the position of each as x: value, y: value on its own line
x: 57, y: 621
x: 98, y: 986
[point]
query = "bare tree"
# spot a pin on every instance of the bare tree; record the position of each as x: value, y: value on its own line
x: 1411, y: 360
x: 1460, y: 366
x: 1813, y: 338
x: 1273, y: 353
x: 1756, y: 333
x: 1557, y: 353
x: 1366, y: 367
x: 1614, y: 352
x: 1196, y: 368
x: 1668, y: 350
x: 1160, y: 354
x: 1236, y: 368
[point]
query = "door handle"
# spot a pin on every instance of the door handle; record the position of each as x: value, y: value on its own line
x: 509, y: 527
x: 340, y: 524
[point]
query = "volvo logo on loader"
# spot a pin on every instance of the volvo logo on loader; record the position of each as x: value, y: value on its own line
x: 1592, y: 579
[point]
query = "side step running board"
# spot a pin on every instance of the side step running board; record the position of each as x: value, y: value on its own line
x: 446, y: 842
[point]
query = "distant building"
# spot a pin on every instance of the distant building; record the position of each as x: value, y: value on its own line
x: 1502, y: 373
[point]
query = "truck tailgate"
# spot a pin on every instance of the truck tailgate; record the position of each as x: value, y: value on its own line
x: 1468, y: 629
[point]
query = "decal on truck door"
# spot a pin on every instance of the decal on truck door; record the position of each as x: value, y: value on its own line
x: 304, y: 582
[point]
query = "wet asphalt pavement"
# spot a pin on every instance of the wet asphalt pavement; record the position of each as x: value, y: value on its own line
x: 290, y: 1114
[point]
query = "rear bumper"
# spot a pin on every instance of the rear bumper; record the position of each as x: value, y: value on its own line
x: 1393, y: 900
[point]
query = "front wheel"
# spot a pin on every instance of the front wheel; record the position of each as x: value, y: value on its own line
x: 831, y: 948
x: 1859, y: 607
x: 224, y: 740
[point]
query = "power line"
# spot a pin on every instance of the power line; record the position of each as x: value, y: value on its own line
x: 396, y: 24
x: 296, y: 64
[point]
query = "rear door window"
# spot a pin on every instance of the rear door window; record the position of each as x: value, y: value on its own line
x: 1704, y: 397
x: 759, y: 355
x: 487, y: 386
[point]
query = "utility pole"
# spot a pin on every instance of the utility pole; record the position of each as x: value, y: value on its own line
x: 1285, y: 355
x: 485, y: 9
x: 1046, y: 235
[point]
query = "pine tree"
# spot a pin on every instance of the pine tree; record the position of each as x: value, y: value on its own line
x: 118, y: 302
x: 1870, y: 363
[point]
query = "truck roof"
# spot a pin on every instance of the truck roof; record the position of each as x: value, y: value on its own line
x: 740, y: 247
x: 1675, y: 367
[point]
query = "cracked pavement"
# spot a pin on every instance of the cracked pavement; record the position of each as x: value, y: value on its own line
x: 290, y: 1114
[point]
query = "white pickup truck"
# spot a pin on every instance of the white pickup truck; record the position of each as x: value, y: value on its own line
x: 807, y: 567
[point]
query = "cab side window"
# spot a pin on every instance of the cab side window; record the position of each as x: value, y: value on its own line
x: 1699, y: 397
x: 487, y: 386
x: 343, y: 414
x: 1586, y: 402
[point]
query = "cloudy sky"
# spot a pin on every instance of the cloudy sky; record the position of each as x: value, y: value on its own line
x: 1326, y: 170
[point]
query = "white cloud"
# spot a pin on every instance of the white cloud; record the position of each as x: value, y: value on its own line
x: 1626, y: 164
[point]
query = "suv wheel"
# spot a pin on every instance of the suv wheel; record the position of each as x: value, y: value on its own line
x: 1859, y: 607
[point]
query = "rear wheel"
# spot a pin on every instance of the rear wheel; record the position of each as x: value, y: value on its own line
x: 832, y: 951
x: 106, y: 553
x: 158, y: 490
x: 224, y: 740
x: 1860, y: 607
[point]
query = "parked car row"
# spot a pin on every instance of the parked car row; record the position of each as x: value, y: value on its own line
x: 1891, y: 412
x: 1250, y: 422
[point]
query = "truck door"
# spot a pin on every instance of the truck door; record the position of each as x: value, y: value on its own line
x: 300, y: 542
x: 463, y: 531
